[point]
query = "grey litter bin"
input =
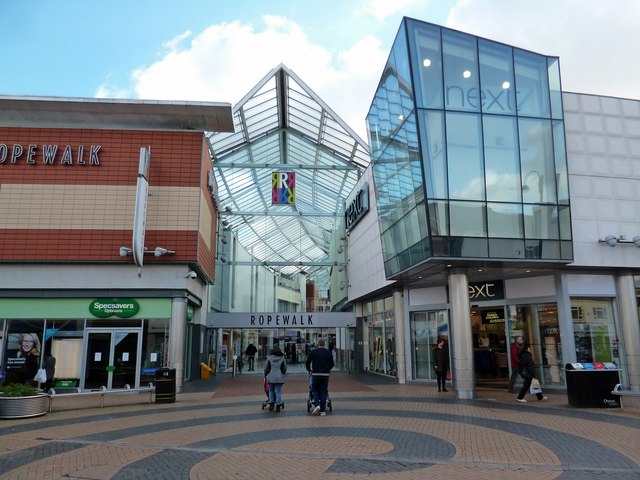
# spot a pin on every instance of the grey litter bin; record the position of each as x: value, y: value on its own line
x: 589, y: 386
x: 165, y: 383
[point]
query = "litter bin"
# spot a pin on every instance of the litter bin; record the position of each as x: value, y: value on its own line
x: 589, y: 385
x: 165, y: 385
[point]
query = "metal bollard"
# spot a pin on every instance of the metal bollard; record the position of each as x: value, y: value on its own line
x: 235, y: 366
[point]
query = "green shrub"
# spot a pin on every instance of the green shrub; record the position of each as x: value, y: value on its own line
x: 18, y: 390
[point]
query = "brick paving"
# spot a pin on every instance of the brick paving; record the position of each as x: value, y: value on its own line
x: 378, y: 429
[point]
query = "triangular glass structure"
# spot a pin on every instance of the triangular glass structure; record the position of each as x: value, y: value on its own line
x: 281, y: 125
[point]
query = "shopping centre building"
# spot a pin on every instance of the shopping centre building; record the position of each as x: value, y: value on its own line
x: 487, y: 204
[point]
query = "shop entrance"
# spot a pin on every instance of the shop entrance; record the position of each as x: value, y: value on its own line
x: 295, y: 344
x: 112, y: 359
x: 490, y: 346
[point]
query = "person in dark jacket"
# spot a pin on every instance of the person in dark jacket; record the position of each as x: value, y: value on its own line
x: 516, y: 349
x: 528, y: 372
x: 251, y: 355
x: 319, y: 363
x: 441, y: 364
x: 50, y: 368
x: 274, y: 372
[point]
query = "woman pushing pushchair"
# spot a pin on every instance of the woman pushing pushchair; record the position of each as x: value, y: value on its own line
x: 274, y: 373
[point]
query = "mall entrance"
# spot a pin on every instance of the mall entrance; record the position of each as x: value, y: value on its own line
x: 294, y: 343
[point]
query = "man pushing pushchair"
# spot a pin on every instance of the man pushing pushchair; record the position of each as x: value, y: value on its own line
x: 319, y: 363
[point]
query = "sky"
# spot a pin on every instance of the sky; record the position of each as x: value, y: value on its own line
x: 216, y: 51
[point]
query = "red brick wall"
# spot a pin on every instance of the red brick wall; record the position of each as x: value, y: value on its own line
x: 61, y: 213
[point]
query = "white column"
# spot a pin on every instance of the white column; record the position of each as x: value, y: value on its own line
x: 565, y: 321
x: 177, y: 339
x: 398, y: 313
x: 463, y: 372
x: 630, y: 327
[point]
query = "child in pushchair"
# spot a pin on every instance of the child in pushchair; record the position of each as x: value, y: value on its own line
x: 310, y: 404
x: 266, y: 391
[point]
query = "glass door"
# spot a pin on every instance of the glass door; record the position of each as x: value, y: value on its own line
x: 113, y: 358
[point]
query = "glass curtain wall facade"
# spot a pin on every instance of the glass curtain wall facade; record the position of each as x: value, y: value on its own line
x: 468, y: 148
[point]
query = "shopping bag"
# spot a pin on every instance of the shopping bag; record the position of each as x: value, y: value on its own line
x: 533, y: 391
x: 41, y: 376
x: 535, y: 383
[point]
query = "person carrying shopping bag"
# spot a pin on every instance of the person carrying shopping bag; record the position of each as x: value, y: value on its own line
x: 528, y: 372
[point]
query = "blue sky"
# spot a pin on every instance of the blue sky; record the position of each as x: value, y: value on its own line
x: 211, y: 50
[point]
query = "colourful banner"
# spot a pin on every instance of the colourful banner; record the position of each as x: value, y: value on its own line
x: 283, y: 188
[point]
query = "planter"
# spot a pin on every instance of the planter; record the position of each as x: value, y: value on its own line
x: 24, y: 407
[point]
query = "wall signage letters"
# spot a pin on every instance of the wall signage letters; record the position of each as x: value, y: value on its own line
x: 107, y: 307
x: 493, y: 290
x: 355, y: 210
x: 33, y: 154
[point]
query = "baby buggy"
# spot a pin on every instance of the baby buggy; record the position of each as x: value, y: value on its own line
x: 310, y: 401
x: 266, y: 391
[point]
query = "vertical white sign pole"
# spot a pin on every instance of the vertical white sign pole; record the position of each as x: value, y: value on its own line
x: 140, y: 212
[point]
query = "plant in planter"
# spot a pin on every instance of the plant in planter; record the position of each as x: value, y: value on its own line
x: 21, y: 401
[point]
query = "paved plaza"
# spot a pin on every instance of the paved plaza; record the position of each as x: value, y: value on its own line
x: 378, y: 429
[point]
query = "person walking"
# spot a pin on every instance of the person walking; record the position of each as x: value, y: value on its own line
x: 319, y: 363
x: 441, y: 364
x: 516, y: 349
x: 250, y: 352
x: 50, y: 368
x: 528, y: 372
x: 274, y: 372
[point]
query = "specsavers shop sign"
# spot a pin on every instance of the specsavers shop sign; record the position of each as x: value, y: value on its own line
x: 114, y: 307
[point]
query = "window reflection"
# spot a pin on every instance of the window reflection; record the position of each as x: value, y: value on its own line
x: 496, y: 78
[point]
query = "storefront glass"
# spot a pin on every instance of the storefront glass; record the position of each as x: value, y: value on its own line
x: 595, y: 331
x: 380, y: 323
x: 426, y: 328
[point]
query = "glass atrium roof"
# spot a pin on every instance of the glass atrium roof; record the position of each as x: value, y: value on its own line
x: 281, y: 125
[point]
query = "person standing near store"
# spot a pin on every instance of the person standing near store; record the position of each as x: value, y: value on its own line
x: 50, y: 368
x: 441, y: 364
x: 516, y: 349
x: 250, y: 352
x: 528, y: 372
x: 274, y: 372
x: 319, y: 363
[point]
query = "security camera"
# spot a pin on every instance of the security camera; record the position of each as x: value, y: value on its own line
x: 192, y: 275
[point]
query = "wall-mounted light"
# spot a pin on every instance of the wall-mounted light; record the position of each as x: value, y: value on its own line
x: 341, y: 268
x: 222, y: 258
x: 612, y: 240
x: 228, y: 209
x: 225, y: 223
x: 224, y: 240
x: 159, y: 252
x: 191, y: 274
x: 124, y: 251
x: 340, y: 249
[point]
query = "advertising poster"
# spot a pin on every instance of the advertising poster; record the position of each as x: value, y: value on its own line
x: 23, y: 357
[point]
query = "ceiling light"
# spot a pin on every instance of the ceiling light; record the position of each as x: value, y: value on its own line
x: 426, y: 62
x: 224, y: 240
x: 505, y: 85
x: 466, y: 74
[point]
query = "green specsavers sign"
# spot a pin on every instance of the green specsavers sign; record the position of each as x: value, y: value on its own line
x: 119, y: 307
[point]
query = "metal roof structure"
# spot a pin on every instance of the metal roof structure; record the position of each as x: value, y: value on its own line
x: 281, y: 125
x: 118, y: 114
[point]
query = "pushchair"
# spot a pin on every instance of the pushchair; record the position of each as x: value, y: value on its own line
x: 266, y: 391
x: 310, y: 401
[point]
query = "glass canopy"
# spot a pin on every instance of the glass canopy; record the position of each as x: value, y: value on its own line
x: 281, y: 125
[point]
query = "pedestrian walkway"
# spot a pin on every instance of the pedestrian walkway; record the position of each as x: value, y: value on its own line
x: 378, y: 429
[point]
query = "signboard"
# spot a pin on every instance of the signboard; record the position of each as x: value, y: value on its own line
x: 107, y: 307
x: 283, y: 188
x: 491, y: 290
x: 140, y: 212
x: 357, y: 208
x: 291, y: 320
x: 491, y: 317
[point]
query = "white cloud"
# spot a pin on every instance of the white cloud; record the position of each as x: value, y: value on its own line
x: 382, y: 9
x: 225, y: 61
x: 177, y: 41
x: 597, y: 41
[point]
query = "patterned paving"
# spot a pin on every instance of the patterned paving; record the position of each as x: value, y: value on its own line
x: 378, y: 429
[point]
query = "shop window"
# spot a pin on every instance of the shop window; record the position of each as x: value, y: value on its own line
x: 426, y: 328
x: 595, y: 331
